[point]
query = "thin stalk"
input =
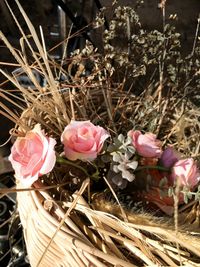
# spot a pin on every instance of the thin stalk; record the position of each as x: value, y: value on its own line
x: 68, y: 162
x: 196, y: 36
x: 160, y: 168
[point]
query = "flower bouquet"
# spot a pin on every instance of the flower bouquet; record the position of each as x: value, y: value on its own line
x: 95, y: 186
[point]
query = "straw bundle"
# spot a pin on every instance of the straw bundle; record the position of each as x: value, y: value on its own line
x: 75, y: 223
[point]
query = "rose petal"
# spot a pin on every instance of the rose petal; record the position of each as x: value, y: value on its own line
x: 50, y: 158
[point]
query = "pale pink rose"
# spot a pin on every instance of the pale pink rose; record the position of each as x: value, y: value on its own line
x: 32, y: 156
x: 169, y: 157
x: 83, y: 140
x: 186, y: 171
x: 146, y: 144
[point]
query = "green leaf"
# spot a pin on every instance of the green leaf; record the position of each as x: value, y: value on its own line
x: 117, y: 143
x: 116, y: 157
x: 128, y: 175
x: 132, y: 165
x: 111, y: 148
x: 163, y: 182
x: 189, y: 195
x: 122, y: 167
x: 131, y: 149
x: 127, y: 155
x: 170, y: 191
x: 121, y: 138
x: 115, y: 168
x: 197, y: 196
x: 106, y: 158
x: 185, y: 198
x: 128, y: 140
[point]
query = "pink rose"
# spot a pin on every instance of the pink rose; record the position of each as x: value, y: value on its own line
x: 32, y: 156
x: 83, y: 140
x: 187, y: 172
x: 146, y: 144
x: 169, y: 157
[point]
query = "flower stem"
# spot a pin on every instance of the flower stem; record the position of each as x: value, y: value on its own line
x: 65, y: 161
x: 68, y: 162
x: 160, y: 168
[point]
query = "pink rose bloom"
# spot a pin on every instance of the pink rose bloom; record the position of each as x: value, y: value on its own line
x: 169, y: 157
x: 83, y: 140
x: 32, y: 156
x: 187, y: 172
x: 146, y: 144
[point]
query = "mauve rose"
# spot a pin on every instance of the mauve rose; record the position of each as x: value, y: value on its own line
x: 32, y: 156
x: 186, y: 171
x: 169, y: 157
x: 83, y: 140
x: 146, y: 144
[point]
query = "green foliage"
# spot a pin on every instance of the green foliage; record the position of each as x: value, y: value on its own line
x: 122, y: 152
